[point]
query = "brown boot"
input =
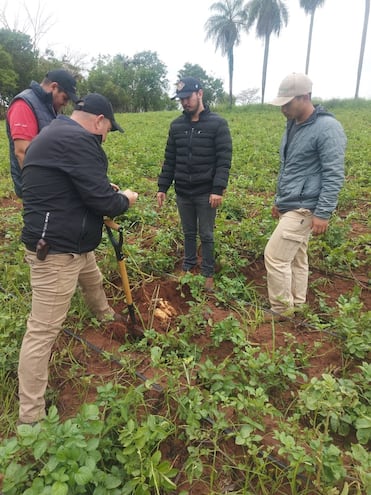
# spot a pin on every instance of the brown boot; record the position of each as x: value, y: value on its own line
x: 276, y: 317
x: 118, y: 318
x: 209, y: 284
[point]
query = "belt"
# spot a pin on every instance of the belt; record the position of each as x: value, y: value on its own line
x: 32, y: 247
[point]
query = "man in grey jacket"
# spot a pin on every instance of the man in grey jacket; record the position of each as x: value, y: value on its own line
x: 310, y: 178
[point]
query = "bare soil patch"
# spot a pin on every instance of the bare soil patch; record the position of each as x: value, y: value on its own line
x: 160, y: 303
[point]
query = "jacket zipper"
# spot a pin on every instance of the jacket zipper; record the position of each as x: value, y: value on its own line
x: 190, y: 149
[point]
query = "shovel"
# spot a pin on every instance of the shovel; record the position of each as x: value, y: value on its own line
x: 135, y: 331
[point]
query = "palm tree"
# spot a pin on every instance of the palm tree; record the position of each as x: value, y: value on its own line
x: 225, y: 27
x: 270, y: 16
x: 363, y: 44
x: 310, y: 7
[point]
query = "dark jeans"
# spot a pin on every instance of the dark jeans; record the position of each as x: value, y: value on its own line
x: 197, y: 216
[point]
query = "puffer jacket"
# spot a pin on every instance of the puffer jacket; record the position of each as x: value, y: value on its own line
x: 66, y: 191
x: 197, y: 155
x: 41, y: 104
x: 312, y: 166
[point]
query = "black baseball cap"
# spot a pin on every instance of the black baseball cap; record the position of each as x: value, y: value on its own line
x: 98, y: 104
x: 65, y: 80
x: 186, y: 86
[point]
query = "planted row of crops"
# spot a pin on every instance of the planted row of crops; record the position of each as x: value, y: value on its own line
x: 212, y: 400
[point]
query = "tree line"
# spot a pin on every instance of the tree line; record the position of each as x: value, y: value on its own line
x: 139, y: 83
x: 133, y: 84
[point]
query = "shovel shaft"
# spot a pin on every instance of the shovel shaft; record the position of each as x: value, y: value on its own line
x: 108, y: 222
x: 125, y: 282
x: 117, y: 244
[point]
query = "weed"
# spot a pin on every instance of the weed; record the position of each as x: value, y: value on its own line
x: 119, y: 443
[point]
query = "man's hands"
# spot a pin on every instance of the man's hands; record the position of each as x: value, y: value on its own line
x: 161, y: 196
x: 319, y: 225
x: 131, y: 195
x: 215, y: 200
x: 275, y: 212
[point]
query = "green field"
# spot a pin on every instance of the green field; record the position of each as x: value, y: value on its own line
x: 212, y: 400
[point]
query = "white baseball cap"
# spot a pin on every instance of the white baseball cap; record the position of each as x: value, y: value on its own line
x: 294, y: 84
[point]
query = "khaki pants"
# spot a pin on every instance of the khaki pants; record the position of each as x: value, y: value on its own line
x: 286, y: 260
x: 53, y: 282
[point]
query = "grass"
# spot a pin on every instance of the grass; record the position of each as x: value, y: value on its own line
x: 209, y: 402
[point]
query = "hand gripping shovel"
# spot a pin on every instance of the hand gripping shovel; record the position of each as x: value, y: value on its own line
x: 133, y: 328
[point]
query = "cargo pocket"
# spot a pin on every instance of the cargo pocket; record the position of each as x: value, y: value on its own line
x: 288, y: 245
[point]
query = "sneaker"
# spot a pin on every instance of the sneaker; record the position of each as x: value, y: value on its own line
x: 209, y: 284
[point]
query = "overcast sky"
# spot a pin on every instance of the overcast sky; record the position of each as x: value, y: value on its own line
x: 175, y: 30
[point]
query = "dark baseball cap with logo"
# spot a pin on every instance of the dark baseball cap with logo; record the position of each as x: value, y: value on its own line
x: 65, y: 80
x: 186, y: 86
x: 98, y: 104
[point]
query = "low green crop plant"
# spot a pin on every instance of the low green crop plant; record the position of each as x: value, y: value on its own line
x: 147, y: 472
x: 338, y: 250
x: 275, y: 370
x: 228, y: 329
x: 362, y: 466
x: 107, y: 449
x: 234, y: 289
x: 192, y: 410
x: 296, y: 455
x: 317, y: 463
x: 353, y: 325
x: 330, y: 468
x: 335, y: 404
x: 229, y: 386
x: 223, y: 392
x: 195, y: 322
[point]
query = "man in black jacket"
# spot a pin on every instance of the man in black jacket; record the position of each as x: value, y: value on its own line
x: 66, y: 194
x: 198, y: 159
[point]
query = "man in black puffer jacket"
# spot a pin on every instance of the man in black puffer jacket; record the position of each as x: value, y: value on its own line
x: 66, y: 194
x: 198, y: 158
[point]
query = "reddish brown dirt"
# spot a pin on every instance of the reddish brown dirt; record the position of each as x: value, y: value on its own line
x: 171, y: 304
x: 160, y: 303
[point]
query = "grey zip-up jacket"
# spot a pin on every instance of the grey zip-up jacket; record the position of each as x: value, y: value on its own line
x: 312, y: 166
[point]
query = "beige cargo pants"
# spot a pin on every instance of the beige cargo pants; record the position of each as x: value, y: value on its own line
x: 286, y: 260
x: 53, y: 283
